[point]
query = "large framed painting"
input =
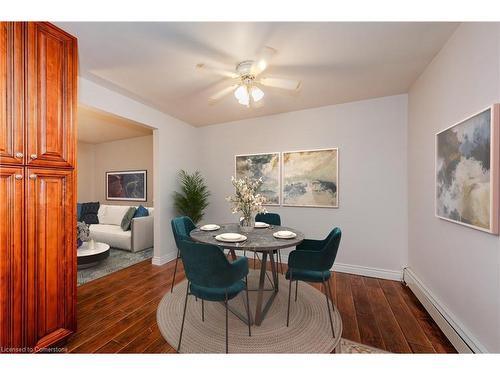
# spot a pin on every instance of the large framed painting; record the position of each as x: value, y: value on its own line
x: 467, y: 157
x: 266, y: 166
x: 126, y: 186
x: 310, y: 178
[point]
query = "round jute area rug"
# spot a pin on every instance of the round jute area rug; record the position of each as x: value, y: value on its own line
x: 309, y: 330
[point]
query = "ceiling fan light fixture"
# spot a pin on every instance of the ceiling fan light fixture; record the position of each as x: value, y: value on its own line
x: 257, y: 94
x: 247, y: 83
x: 241, y: 94
x: 245, y: 102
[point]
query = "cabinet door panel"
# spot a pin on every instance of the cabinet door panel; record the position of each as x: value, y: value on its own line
x: 51, y: 246
x: 11, y: 93
x: 11, y: 257
x: 51, y: 95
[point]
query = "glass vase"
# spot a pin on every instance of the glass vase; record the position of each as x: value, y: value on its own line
x: 247, y: 223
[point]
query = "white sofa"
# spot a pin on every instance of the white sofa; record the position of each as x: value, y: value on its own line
x: 139, y: 237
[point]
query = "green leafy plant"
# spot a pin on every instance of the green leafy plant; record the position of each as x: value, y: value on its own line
x: 193, y: 198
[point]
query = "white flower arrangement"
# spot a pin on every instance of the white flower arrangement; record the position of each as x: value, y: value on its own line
x: 82, y: 231
x: 246, y: 199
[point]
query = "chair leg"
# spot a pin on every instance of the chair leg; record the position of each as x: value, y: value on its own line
x: 202, y: 310
x: 289, y: 295
x: 248, y: 307
x: 281, y: 263
x: 328, y: 305
x: 175, y: 270
x: 296, y: 289
x: 330, y: 293
x: 183, y: 317
x: 227, y: 346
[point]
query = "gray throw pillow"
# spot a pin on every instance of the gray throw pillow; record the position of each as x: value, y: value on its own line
x: 127, y: 218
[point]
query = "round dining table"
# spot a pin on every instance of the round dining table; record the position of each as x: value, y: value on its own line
x: 259, y: 240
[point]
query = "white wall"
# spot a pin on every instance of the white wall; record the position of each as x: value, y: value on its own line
x: 459, y: 265
x: 121, y: 155
x: 371, y: 137
x: 86, y: 173
x: 175, y: 147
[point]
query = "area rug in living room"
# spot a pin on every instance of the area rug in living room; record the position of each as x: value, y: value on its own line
x: 117, y: 260
x: 309, y: 330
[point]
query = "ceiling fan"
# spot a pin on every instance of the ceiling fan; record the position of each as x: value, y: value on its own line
x: 245, y: 81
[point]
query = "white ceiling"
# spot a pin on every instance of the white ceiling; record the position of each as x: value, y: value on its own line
x: 336, y: 62
x: 98, y: 127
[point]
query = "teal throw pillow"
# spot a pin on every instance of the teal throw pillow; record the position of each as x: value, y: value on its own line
x: 141, y: 211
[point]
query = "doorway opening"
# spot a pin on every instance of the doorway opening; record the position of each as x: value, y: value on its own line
x: 115, y: 195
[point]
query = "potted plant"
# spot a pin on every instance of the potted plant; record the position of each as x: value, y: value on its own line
x: 247, y: 201
x: 192, y: 200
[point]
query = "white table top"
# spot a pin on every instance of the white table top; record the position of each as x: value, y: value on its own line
x: 85, y: 250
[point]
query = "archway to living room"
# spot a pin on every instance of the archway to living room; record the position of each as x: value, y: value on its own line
x: 115, y: 193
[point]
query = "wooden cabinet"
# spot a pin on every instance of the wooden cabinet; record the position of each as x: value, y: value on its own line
x: 11, y: 93
x: 51, y: 101
x: 51, y: 255
x: 11, y: 257
x: 38, y: 75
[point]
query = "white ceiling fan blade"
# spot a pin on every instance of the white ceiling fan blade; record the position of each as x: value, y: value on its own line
x: 216, y: 71
x: 222, y: 93
x: 262, y: 61
x: 280, y: 83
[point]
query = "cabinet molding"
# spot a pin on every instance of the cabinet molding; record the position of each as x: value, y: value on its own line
x: 51, y: 255
x: 11, y: 257
x: 51, y: 96
x: 11, y: 93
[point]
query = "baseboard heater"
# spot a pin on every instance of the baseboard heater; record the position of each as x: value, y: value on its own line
x: 462, y: 342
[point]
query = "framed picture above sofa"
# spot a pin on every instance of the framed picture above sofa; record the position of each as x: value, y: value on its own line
x: 126, y: 185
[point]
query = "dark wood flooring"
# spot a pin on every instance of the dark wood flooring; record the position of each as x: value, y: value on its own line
x: 117, y: 313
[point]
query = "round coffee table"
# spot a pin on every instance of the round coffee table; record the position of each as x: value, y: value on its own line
x: 88, y: 257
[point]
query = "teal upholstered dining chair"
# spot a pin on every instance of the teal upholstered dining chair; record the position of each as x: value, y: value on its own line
x: 311, y: 262
x: 212, y: 277
x: 271, y: 219
x: 181, y: 226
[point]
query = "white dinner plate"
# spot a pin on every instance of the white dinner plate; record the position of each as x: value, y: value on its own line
x: 230, y: 237
x: 260, y: 224
x: 284, y: 234
x: 209, y: 227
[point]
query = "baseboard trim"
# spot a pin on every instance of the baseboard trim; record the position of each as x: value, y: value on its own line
x: 380, y: 273
x: 160, y: 261
x: 453, y: 329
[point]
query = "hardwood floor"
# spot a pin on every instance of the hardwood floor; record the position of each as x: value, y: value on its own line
x: 117, y: 313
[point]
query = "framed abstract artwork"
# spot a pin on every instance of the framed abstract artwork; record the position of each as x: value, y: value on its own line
x: 310, y: 178
x: 266, y: 166
x: 467, y: 158
x: 126, y: 186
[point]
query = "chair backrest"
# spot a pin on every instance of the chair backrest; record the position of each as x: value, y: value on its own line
x: 182, y: 226
x: 331, y: 247
x: 269, y: 218
x: 205, y: 265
